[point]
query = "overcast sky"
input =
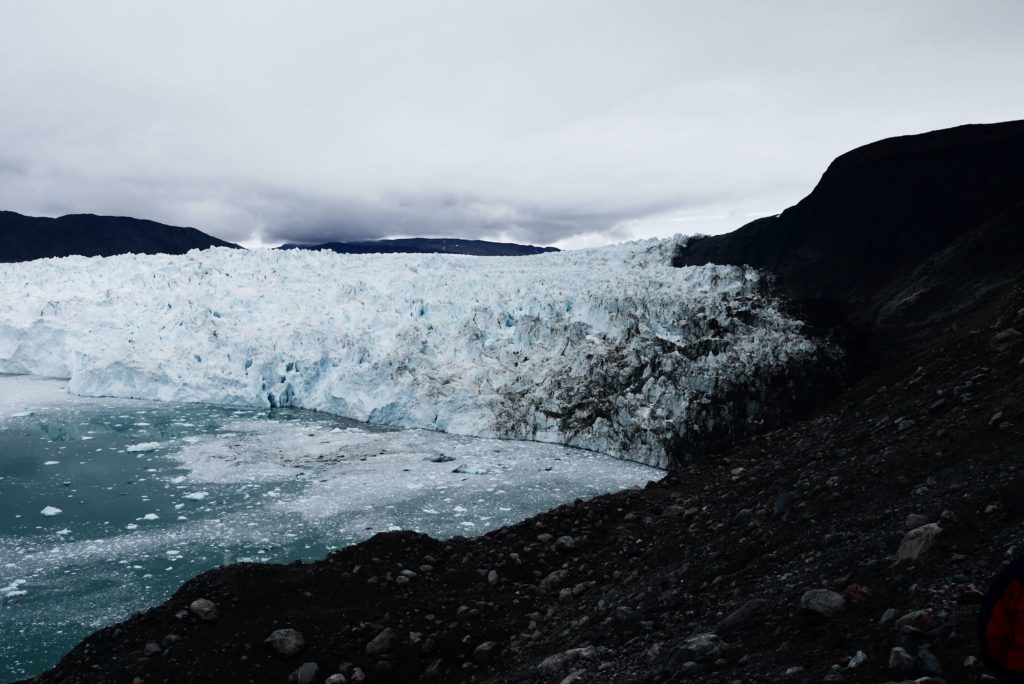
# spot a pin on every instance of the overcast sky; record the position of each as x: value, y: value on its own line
x: 566, y: 123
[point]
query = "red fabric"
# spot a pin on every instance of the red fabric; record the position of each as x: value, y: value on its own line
x: 1005, y: 630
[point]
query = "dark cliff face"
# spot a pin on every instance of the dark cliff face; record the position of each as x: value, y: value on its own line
x: 428, y: 246
x: 898, y: 235
x: 23, y: 238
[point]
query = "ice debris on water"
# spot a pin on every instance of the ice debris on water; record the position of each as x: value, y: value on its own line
x: 51, y: 511
x: 143, y: 447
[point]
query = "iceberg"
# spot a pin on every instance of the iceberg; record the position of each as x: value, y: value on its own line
x: 609, y: 349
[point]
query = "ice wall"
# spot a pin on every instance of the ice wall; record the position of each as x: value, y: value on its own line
x: 610, y: 349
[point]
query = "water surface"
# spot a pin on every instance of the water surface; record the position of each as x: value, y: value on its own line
x: 150, y: 494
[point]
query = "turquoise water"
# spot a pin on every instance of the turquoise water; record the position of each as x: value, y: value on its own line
x: 150, y: 494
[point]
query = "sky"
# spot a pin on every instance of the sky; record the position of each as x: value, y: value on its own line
x: 561, y: 122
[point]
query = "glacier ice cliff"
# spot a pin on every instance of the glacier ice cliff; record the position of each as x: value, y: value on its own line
x: 609, y: 349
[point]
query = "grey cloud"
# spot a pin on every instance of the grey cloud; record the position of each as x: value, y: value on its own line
x: 570, y: 122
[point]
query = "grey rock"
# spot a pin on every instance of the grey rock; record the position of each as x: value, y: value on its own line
x: 434, y: 671
x: 916, y: 619
x: 927, y: 664
x: 573, y: 677
x: 306, y: 674
x: 151, y: 649
x: 336, y: 678
x: 555, y: 579
x: 486, y: 652
x: 557, y: 662
x: 915, y: 520
x: 1006, y: 339
x: 901, y: 661
x: 565, y: 543
x: 739, y: 617
x: 492, y: 577
x: 698, y: 646
x: 204, y: 609
x: 917, y: 542
x: 824, y: 602
x: 382, y: 643
x: 888, y: 616
x: 286, y: 642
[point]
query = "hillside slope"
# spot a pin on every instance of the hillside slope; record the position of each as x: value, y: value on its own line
x: 898, y: 234
x: 24, y: 238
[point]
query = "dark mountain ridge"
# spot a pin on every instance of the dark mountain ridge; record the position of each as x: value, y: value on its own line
x: 898, y: 234
x: 23, y: 238
x: 427, y: 246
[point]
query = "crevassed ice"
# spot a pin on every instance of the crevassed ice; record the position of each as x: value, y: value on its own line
x: 609, y: 349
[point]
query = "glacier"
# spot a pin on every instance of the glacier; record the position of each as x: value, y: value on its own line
x: 609, y: 349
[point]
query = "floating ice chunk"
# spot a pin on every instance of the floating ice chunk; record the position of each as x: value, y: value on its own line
x: 144, y: 446
x: 21, y: 414
x: 431, y: 511
x: 197, y: 496
x: 131, y: 526
x: 13, y: 589
x: 51, y: 463
x: 64, y: 532
x: 151, y: 516
x: 468, y: 469
x: 51, y: 511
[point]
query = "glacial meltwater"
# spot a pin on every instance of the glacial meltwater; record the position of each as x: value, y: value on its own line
x: 108, y: 505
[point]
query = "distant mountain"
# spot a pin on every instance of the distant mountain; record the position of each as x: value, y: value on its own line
x: 23, y: 238
x: 428, y: 246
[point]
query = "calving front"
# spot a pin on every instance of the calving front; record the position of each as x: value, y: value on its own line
x: 609, y: 349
